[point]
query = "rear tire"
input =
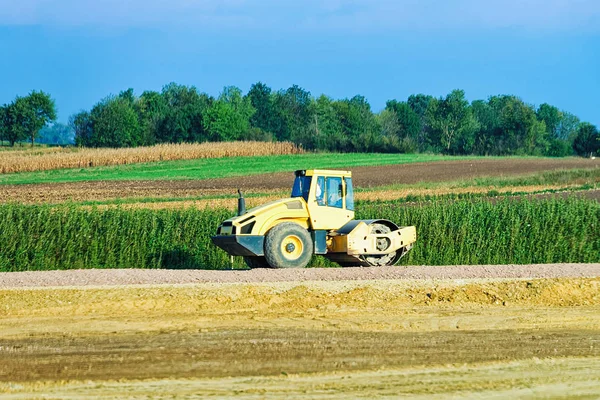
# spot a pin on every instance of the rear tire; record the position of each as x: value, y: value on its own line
x: 256, y: 262
x: 288, y: 245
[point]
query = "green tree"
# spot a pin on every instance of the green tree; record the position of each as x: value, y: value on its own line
x: 151, y: 108
x: 587, y: 140
x: 128, y: 95
x: 25, y: 116
x: 262, y: 100
x: 549, y: 143
x: 408, y: 119
x: 41, y: 111
x: 567, y: 127
x: 392, y: 134
x: 293, y: 114
x: 419, y: 104
x: 389, y: 124
x: 519, y: 131
x: 115, y: 124
x: 488, y: 122
x: 327, y: 128
x: 551, y: 117
x: 81, y: 124
x: 559, y: 148
x: 15, y: 115
x: 183, y: 121
x: 452, y: 123
x: 3, y: 123
x: 229, y: 117
x: 359, y: 123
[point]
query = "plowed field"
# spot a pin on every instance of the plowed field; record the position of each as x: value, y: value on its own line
x: 442, y: 171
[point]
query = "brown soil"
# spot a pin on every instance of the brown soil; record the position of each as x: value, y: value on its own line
x: 365, y: 177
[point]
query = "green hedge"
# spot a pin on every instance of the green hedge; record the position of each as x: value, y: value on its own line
x: 451, y: 232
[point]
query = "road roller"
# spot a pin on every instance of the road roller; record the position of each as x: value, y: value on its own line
x: 317, y: 219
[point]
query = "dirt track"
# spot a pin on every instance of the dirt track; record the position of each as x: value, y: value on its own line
x: 96, y: 277
x: 364, y: 177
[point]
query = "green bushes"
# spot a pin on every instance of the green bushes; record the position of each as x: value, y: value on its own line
x: 460, y: 232
x: 507, y: 232
x: 45, y: 238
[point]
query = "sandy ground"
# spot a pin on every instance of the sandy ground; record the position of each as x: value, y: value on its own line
x: 304, y: 339
x: 525, y: 379
x: 364, y: 177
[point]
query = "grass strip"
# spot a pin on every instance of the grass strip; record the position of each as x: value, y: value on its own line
x: 220, y: 167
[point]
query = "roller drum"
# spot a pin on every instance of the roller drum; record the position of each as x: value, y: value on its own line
x: 377, y: 227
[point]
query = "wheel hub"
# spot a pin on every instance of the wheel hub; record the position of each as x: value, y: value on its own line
x: 383, y: 244
x: 292, y: 247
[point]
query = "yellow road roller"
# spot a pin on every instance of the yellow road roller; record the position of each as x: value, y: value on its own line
x: 318, y: 218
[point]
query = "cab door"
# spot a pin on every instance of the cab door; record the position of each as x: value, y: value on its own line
x: 327, y: 203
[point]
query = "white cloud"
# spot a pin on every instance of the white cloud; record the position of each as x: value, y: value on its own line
x: 320, y: 15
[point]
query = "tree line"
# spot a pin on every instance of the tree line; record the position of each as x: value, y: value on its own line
x: 500, y: 125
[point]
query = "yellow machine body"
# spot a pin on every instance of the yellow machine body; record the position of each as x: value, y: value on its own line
x: 361, y: 241
x: 322, y: 205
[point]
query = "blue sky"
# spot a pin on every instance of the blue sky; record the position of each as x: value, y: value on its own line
x: 81, y: 51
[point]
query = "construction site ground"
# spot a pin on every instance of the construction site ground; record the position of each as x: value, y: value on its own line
x: 493, y: 333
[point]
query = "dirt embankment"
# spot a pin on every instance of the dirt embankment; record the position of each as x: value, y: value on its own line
x: 365, y: 177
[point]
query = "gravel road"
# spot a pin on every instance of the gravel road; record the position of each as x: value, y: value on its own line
x: 97, y: 277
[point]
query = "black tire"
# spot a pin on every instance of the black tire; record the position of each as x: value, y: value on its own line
x: 288, y: 245
x: 256, y: 262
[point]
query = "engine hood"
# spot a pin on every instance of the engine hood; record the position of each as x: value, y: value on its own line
x: 258, y: 220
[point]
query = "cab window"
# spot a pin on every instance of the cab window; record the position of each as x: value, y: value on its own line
x: 349, y: 194
x: 334, y: 192
x: 320, y: 191
x: 301, y: 187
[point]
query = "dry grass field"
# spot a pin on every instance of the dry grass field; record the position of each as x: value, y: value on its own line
x: 447, y: 338
x: 29, y: 160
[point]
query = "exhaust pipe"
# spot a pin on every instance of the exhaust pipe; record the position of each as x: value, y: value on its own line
x: 241, y: 204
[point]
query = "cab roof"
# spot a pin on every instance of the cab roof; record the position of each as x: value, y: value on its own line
x: 323, y: 172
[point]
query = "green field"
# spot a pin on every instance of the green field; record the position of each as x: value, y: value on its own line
x: 220, y: 167
x: 475, y: 231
